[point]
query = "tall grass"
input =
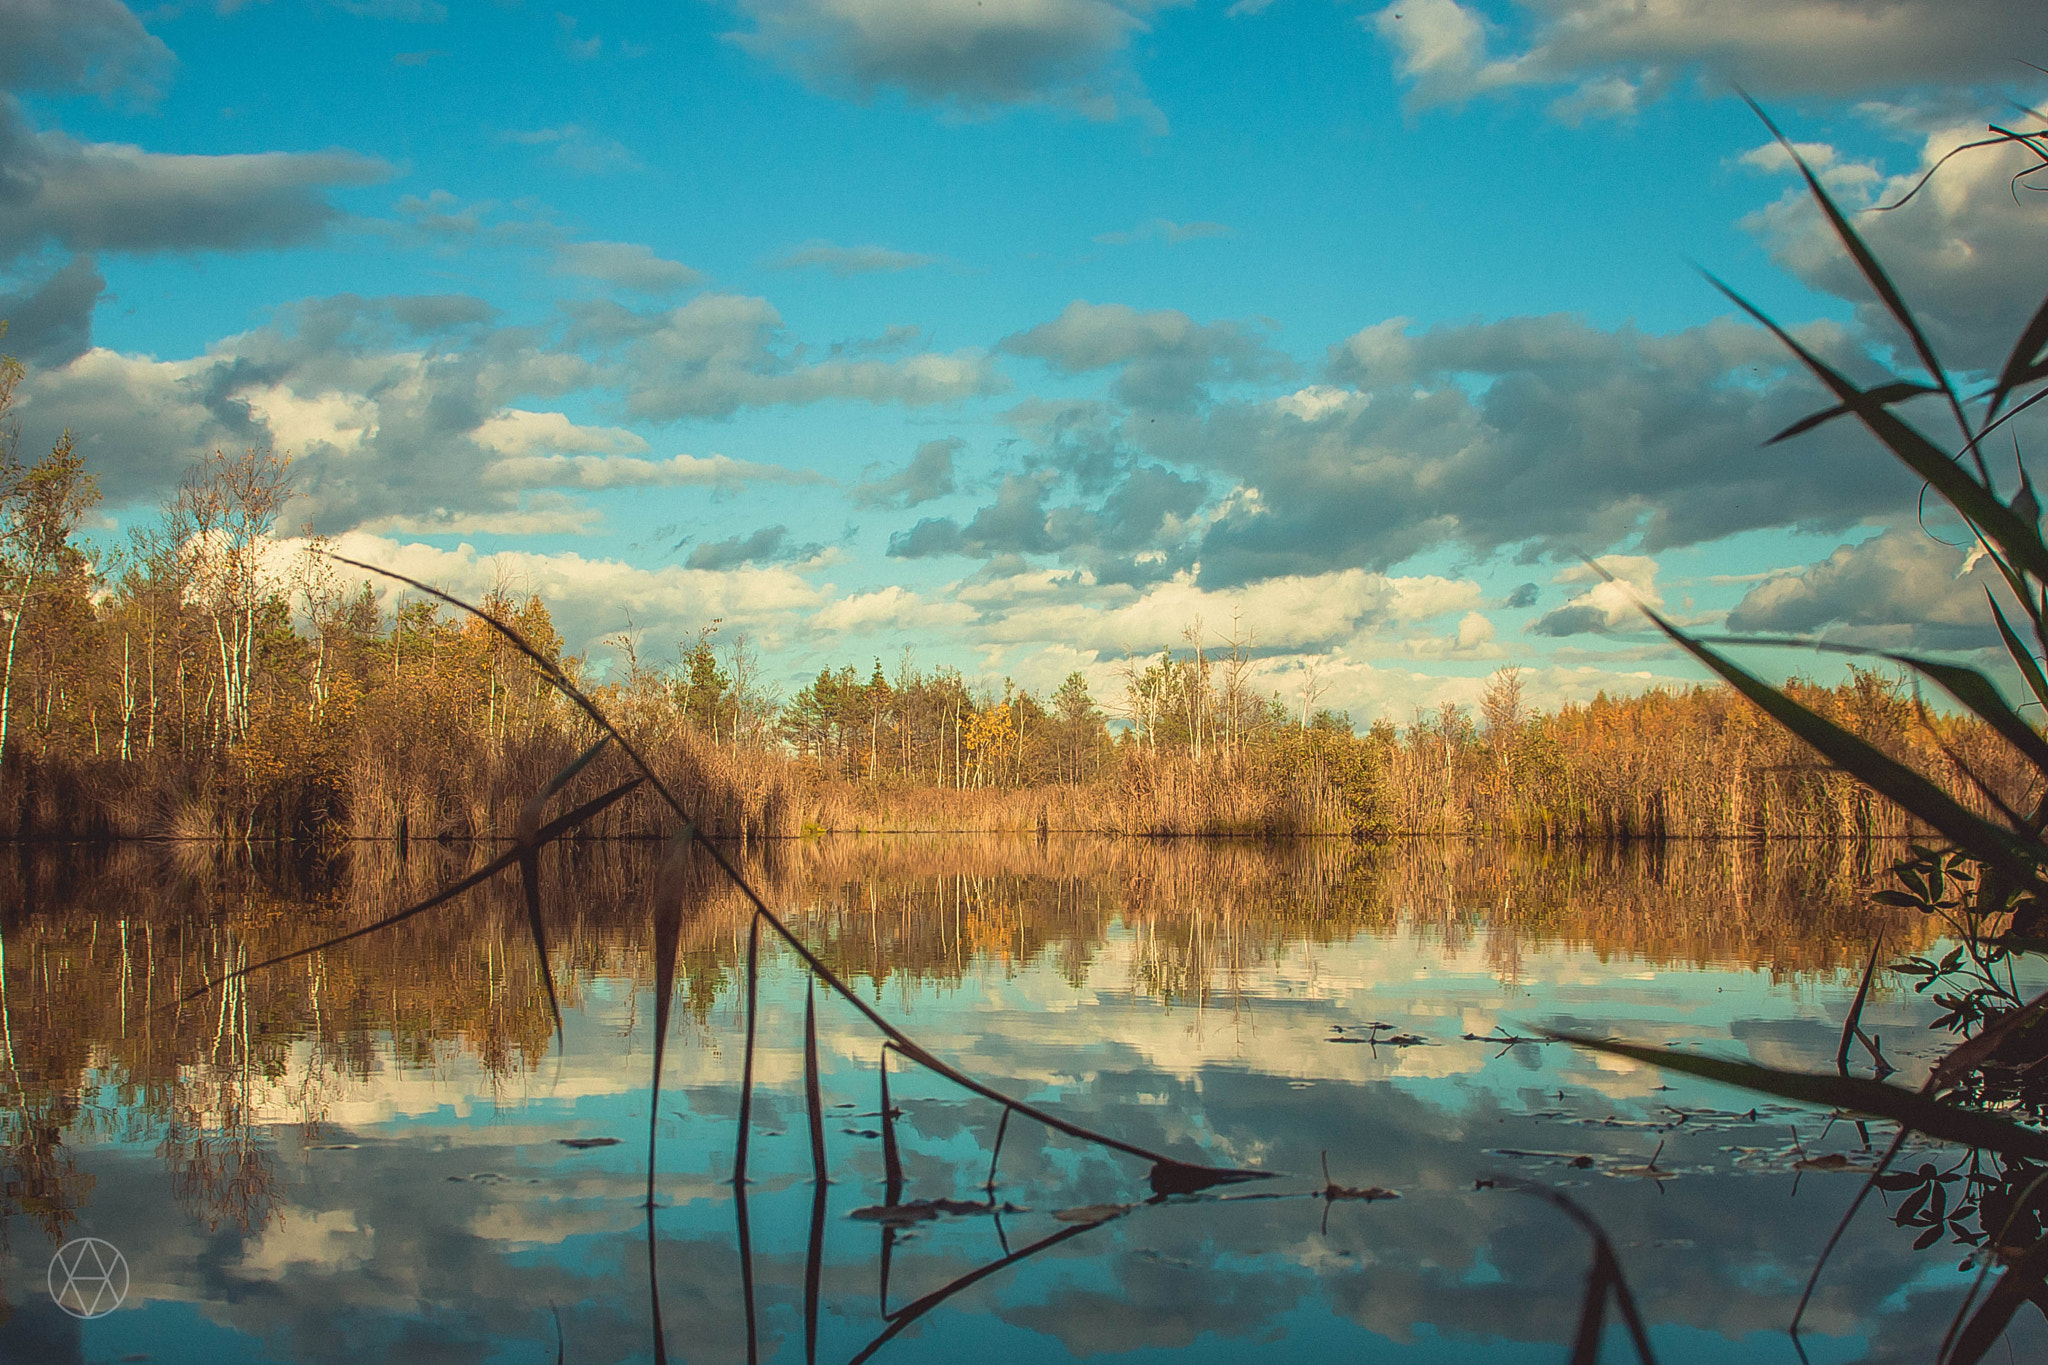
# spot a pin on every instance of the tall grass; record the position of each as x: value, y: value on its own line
x: 1989, y: 884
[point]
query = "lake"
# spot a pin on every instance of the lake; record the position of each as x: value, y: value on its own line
x: 380, y: 1152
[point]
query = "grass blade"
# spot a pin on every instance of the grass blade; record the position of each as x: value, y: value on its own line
x: 1897, y: 392
x: 529, y: 883
x: 1842, y: 1226
x: 745, y: 1239
x: 442, y: 897
x: 814, y: 1270
x: 996, y: 1153
x: 528, y: 824
x: 746, y: 1119
x: 1592, y: 1310
x: 892, y: 1160
x: 2025, y: 364
x: 1872, y: 272
x: 1985, y: 701
x: 2030, y: 668
x: 669, y: 890
x: 814, y: 1100
x: 1909, y: 1108
x: 1976, y: 501
x: 1872, y: 766
x: 911, y: 1312
x: 653, y: 1297
x: 1856, y: 1007
x: 2019, y: 1284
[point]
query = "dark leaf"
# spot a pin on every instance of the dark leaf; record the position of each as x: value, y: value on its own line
x: 2019, y: 541
x: 2024, y: 365
x: 2029, y: 667
x: 1895, y: 392
x: 1872, y: 766
x: 2020, y: 1282
x: 1947, y: 1122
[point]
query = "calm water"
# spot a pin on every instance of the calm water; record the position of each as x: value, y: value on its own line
x: 364, y: 1155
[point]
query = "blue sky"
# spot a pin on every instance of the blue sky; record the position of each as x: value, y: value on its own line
x: 1028, y: 332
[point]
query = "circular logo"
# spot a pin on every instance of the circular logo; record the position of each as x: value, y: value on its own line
x: 88, y: 1277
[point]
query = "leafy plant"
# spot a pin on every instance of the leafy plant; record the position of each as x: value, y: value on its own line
x: 1990, y: 884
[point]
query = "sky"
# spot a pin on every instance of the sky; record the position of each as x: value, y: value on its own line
x: 1038, y: 335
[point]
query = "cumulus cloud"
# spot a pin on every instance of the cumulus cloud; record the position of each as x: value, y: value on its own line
x: 630, y: 265
x: 845, y: 261
x: 591, y: 598
x: 1576, y: 438
x: 516, y: 431
x: 90, y: 197
x: 891, y: 609
x: 391, y: 405
x: 540, y: 516
x: 1611, y: 603
x: 1609, y: 58
x: 50, y: 322
x: 94, y: 45
x: 929, y: 475
x: 966, y: 54
x: 1472, y: 639
x: 622, y: 471
x: 719, y: 353
x: 768, y: 545
x: 1901, y: 588
x: 1164, y: 359
x: 1123, y: 538
x: 1966, y: 257
x: 1291, y: 612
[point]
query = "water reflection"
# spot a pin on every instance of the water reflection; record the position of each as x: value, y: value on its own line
x: 360, y: 1154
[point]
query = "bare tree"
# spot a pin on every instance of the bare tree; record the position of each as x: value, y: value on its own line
x: 1312, y: 687
x: 221, y: 520
x: 1502, y: 711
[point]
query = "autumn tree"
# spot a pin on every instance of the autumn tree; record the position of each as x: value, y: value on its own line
x: 220, y: 520
x: 40, y: 508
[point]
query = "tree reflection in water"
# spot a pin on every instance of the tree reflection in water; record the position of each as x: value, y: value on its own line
x: 1219, y: 937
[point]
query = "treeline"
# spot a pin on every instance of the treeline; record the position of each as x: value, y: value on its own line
x: 205, y: 681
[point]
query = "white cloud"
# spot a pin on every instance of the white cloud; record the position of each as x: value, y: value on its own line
x: 515, y: 431
x: 1288, y: 612
x: 630, y: 265
x: 95, y: 45
x: 592, y: 598
x: 891, y: 609
x: 970, y: 55
x: 1966, y: 256
x: 105, y: 196
x: 1610, y: 56
x: 718, y: 353
x: 1901, y: 588
x: 1612, y: 603
x: 1473, y: 639
x: 542, y: 516
x: 844, y: 261
x: 622, y: 471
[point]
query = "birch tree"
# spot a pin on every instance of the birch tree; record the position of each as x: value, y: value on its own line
x: 221, y: 521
